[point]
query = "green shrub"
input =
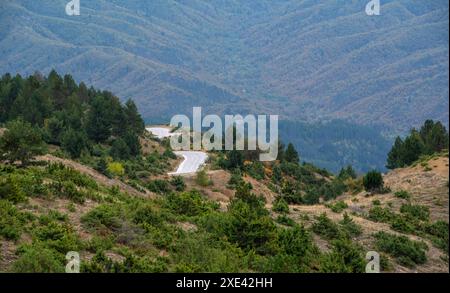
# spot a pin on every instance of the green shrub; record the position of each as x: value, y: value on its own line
x: 202, y: 179
x: 256, y: 170
x: 178, y: 183
x: 12, y: 220
x: 61, y: 173
x: 439, y: 231
x: 102, y: 217
x: 296, y: 241
x: 404, y: 225
x: 373, y: 181
x: 311, y: 197
x: 188, y: 203
x: 407, y: 252
x: 379, y: 214
x: 11, y: 190
x: 326, y: 228
x: 220, y: 256
x: 345, y: 257
x: 158, y: 186
x: 350, y: 227
x: 147, y: 214
x: 280, y: 206
x: 58, y: 236
x: 38, y: 259
x: 402, y: 194
x: 249, y: 225
x: 100, y: 263
x: 68, y: 189
x: 235, y: 179
x: 338, y: 207
x: 285, y: 220
x: 376, y: 202
x: 418, y: 212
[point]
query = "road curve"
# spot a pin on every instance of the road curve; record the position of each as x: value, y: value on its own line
x: 193, y: 160
x: 160, y: 132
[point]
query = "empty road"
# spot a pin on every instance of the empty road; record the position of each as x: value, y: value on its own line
x: 193, y: 160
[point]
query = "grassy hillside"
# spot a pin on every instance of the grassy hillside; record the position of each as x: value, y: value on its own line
x: 55, y: 205
x: 78, y: 172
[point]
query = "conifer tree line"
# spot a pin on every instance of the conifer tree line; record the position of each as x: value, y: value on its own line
x: 431, y: 138
x: 70, y: 115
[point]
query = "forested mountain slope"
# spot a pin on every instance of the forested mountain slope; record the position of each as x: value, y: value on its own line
x: 300, y: 59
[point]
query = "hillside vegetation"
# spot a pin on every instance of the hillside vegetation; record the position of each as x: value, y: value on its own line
x: 81, y: 175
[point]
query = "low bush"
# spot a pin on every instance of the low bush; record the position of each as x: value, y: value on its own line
x: 373, y: 181
x: 12, y: 220
x: 178, y: 183
x: 116, y: 169
x: 337, y: 207
x: 402, y: 194
x: 326, y: 228
x: 285, y: 220
x: 11, y: 190
x: 188, y: 203
x: 406, y: 251
x: 350, y: 227
x: 203, y: 179
x: 103, y: 217
x: 158, y: 186
x: 280, y: 206
x: 58, y: 236
x: 418, y: 212
x: 439, y: 231
x: 379, y: 214
x: 38, y: 259
x: 345, y: 257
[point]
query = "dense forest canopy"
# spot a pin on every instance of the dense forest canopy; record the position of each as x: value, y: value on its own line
x: 71, y: 115
x: 431, y: 138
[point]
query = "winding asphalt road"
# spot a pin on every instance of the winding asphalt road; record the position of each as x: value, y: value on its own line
x: 193, y: 160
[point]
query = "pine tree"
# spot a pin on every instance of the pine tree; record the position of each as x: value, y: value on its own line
x: 74, y: 142
x: 120, y: 150
x: 98, y: 124
x: 291, y: 154
x: 21, y: 142
x: 394, y: 159
x: 134, y: 119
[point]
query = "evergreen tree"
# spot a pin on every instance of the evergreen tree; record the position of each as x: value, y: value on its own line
x: 132, y: 141
x: 281, y: 148
x: 373, y: 181
x: 21, y: 142
x: 98, y: 124
x: 413, y: 147
x: 134, y: 119
x: 347, y: 172
x: 120, y: 150
x: 74, y: 142
x: 434, y: 136
x: 291, y: 154
x: 394, y: 159
x: 53, y: 129
x: 235, y: 160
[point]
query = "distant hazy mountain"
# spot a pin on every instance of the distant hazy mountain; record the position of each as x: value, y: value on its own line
x: 305, y: 60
